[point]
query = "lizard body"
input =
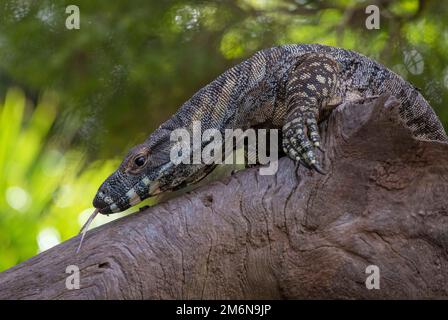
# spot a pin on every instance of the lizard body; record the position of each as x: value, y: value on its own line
x: 289, y: 87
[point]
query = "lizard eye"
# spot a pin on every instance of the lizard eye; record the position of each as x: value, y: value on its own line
x: 140, y: 161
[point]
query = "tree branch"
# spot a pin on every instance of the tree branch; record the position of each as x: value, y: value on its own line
x: 382, y: 203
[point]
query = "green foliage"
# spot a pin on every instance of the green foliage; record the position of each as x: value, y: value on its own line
x: 45, y: 193
x: 133, y: 63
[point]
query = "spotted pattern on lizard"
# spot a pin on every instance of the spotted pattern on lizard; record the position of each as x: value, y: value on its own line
x: 288, y: 87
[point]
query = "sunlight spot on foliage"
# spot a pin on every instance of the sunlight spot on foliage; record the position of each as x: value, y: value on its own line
x: 424, y: 31
x: 211, y: 19
x: 187, y: 17
x: 47, y: 15
x: 330, y: 17
x: 18, y: 8
x: 232, y: 45
x: 18, y: 198
x: 300, y: 33
x: 65, y: 196
x: 260, y: 4
x: 48, y: 238
x: 407, y: 7
x: 53, y: 163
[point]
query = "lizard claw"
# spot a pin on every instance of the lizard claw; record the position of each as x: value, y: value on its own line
x: 313, y: 166
x: 318, y: 146
x: 316, y: 167
x: 300, y: 138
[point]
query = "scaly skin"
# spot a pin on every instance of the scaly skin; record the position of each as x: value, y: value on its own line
x: 289, y: 87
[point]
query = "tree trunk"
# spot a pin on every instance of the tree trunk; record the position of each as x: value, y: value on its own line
x: 288, y: 236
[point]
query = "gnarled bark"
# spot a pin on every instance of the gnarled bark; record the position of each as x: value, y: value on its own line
x: 383, y: 202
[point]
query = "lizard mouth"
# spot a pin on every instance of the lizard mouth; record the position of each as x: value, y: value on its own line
x: 148, y: 186
x: 130, y: 199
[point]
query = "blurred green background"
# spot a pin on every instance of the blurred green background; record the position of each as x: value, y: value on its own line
x: 72, y: 102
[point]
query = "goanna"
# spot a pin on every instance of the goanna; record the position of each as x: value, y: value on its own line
x: 289, y: 87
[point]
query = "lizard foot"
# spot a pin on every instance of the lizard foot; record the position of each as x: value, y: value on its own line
x: 300, y: 136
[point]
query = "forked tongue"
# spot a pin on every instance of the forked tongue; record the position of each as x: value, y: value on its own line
x: 85, y: 227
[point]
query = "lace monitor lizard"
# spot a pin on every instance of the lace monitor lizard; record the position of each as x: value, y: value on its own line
x: 289, y: 87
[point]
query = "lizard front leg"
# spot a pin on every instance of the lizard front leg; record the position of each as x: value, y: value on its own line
x: 311, y: 85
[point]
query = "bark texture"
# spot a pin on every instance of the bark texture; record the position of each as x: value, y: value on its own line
x: 293, y: 235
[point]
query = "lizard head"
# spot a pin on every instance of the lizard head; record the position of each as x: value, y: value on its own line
x: 131, y: 183
x: 145, y: 171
